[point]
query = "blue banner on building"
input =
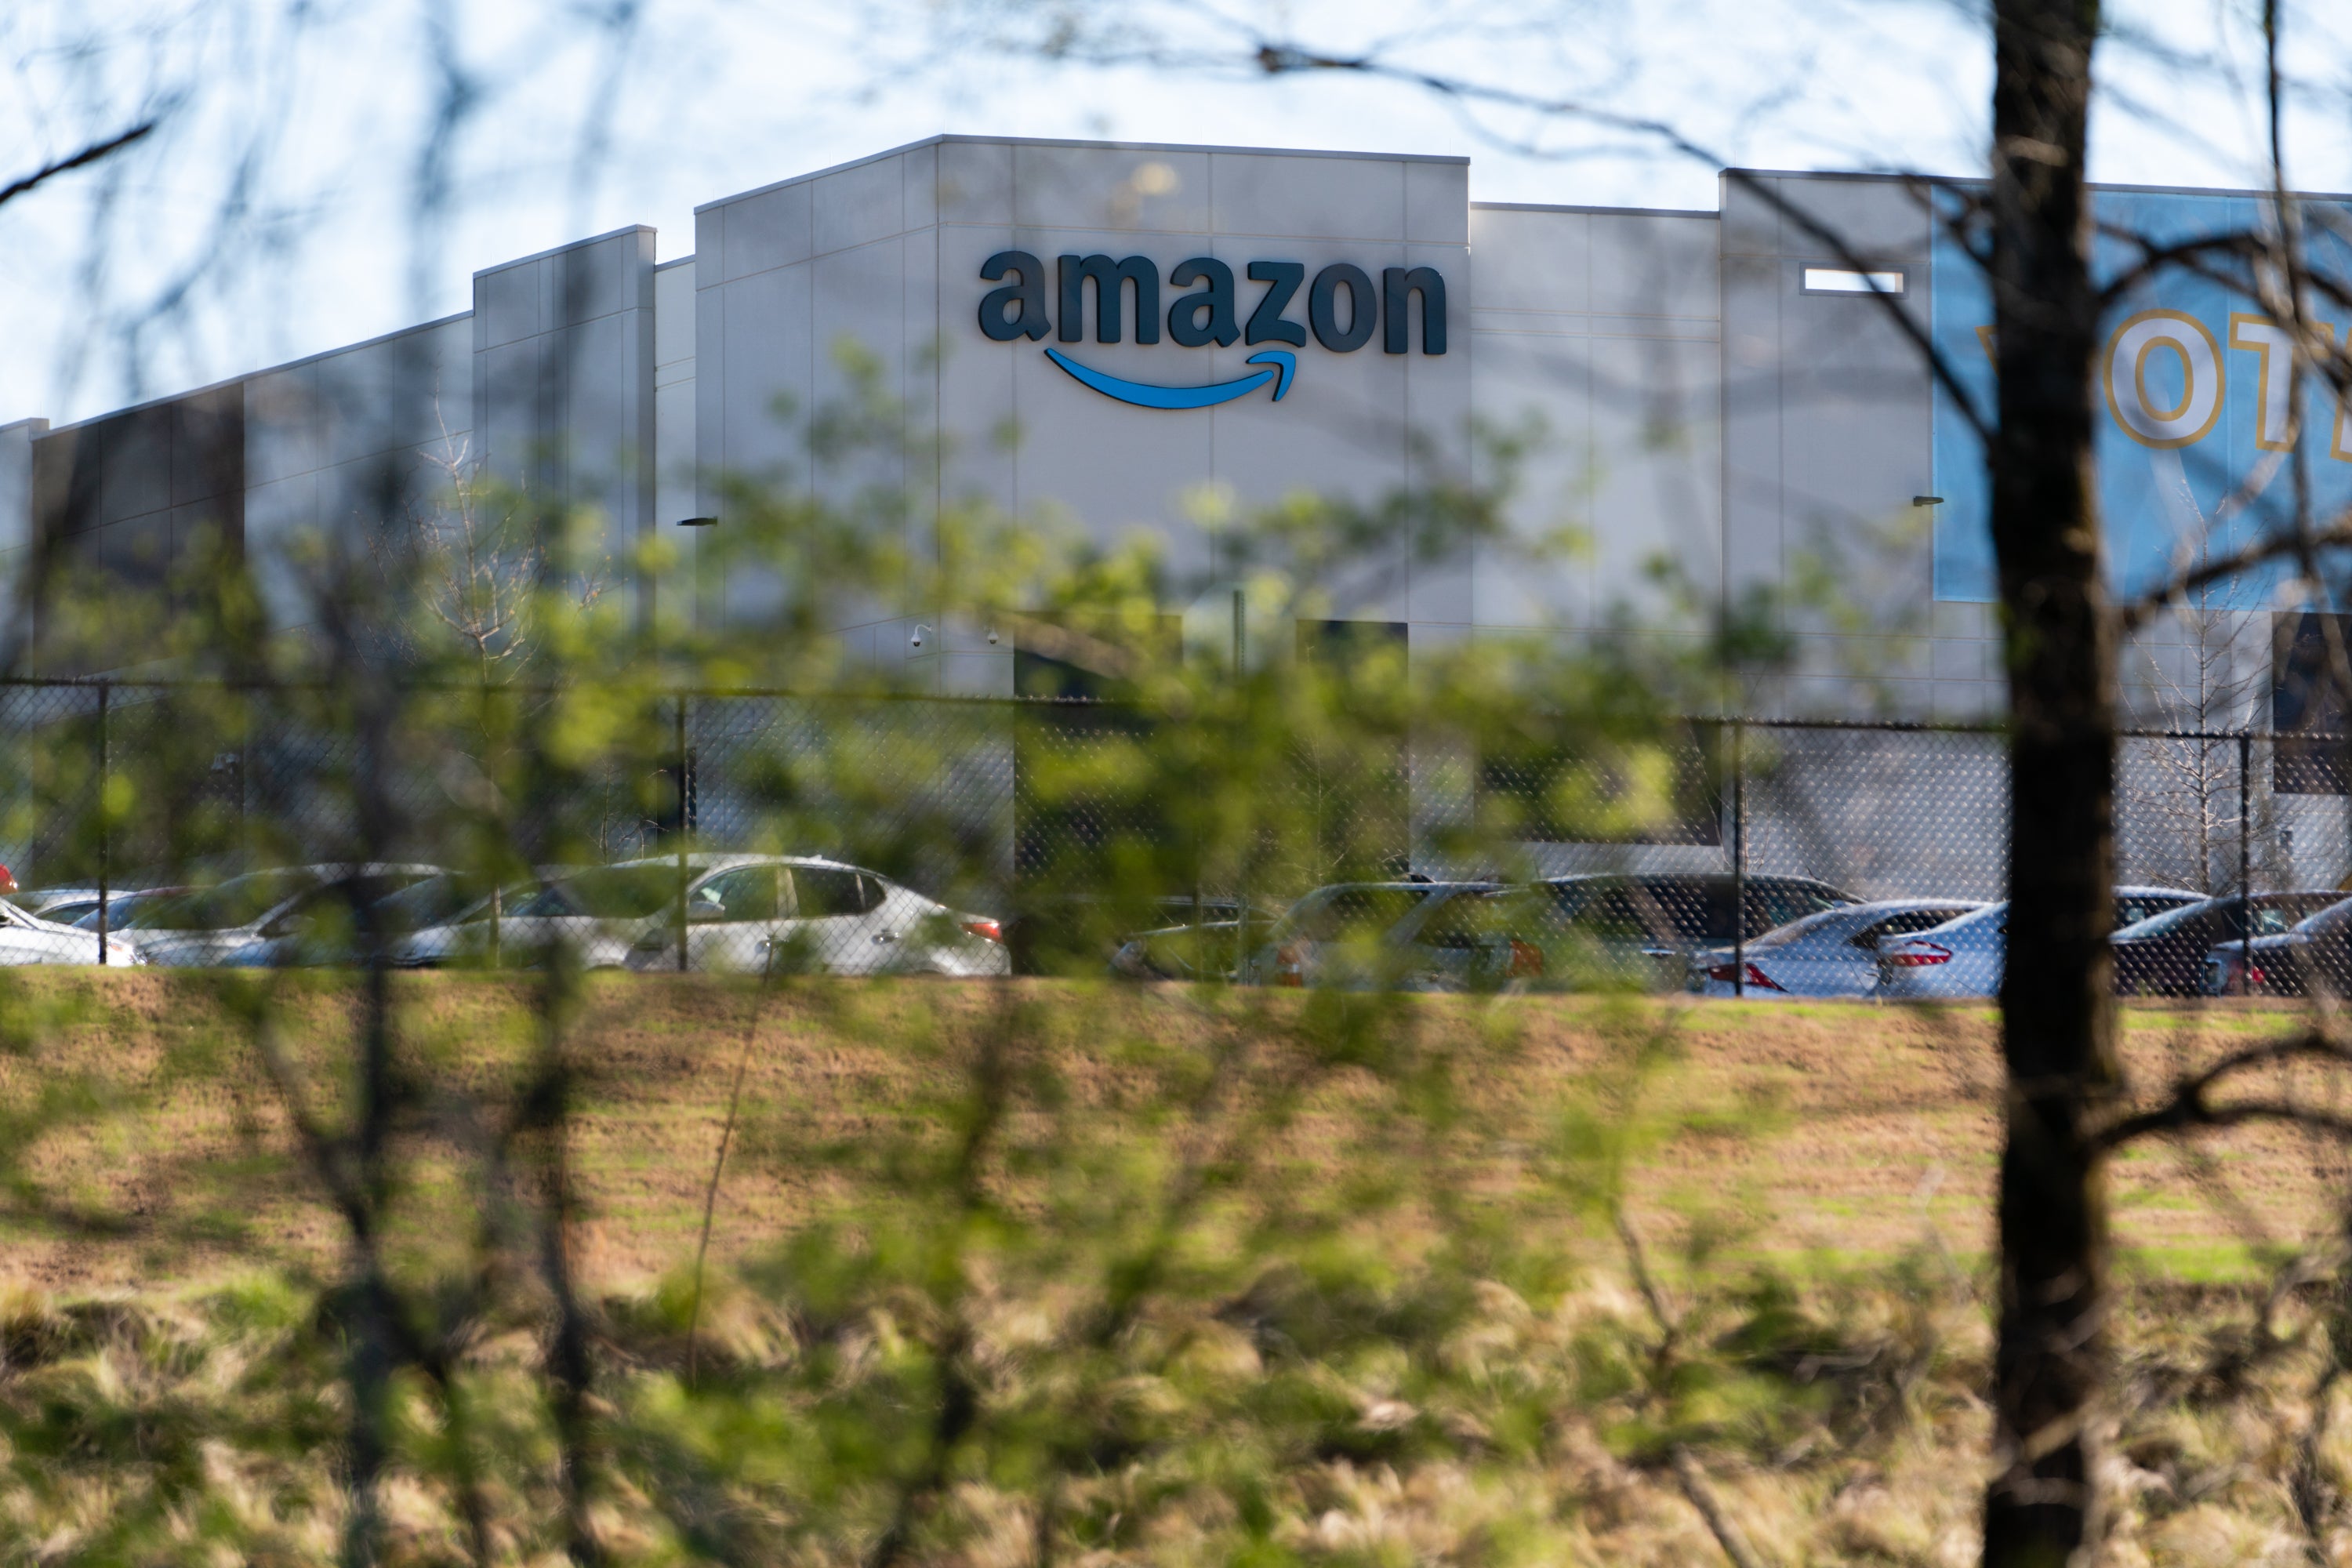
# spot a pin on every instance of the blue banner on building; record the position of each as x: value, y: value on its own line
x: 2192, y: 378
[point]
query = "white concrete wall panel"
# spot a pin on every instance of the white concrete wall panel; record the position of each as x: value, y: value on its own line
x: 1129, y: 190
x: 1657, y: 451
x: 1532, y: 260
x: 974, y: 182
x: 1437, y: 201
x: 918, y: 186
x: 765, y: 369
x: 1655, y: 267
x: 1601, y: 326
x: 674, y: 331
x: 760, y: 232
x: 1298, y: 197
x: 1827, y: 414
x: 1753, y: 521
x: 1879, y: 220
x: 973, y: 396
x: 673, y: 314
x: 859, y: 204
x: 569, y: 407
x: 1553, y: 376
x: 16, y: 487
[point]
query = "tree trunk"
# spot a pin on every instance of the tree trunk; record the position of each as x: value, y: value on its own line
x: 2058, y: 1026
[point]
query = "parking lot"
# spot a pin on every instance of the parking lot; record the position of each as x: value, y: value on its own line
x: 982, y: 838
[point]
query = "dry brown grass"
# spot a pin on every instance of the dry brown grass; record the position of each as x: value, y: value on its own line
x: 1842, y: 1131
x: 1824, y: 1372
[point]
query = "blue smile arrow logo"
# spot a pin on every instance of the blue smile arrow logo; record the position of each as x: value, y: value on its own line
x: 1280, y: 365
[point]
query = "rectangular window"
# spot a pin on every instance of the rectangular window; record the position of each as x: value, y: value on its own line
x: 2308, y: 706
x: 1844, y: 280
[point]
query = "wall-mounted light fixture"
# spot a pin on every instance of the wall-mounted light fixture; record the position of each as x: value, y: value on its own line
x: 1849, y: 280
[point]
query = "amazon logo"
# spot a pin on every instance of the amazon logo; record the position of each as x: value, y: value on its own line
x: 1343, y: 306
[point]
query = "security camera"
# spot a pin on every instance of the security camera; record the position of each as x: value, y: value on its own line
x: 917, y: 640
x: 992, y: 636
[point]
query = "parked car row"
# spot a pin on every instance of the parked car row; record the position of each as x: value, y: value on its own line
x: 733, y: 912
x: 1798, y: 938
x: 1569, y: 933
x: 1764, y: 936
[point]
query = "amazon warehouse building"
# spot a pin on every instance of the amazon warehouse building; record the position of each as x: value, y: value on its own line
x: 1724, y: 389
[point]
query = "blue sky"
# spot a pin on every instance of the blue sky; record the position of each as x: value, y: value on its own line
x: 571, y: 132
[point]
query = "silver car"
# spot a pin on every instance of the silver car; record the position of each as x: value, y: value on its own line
x: 1832, y: 953
x: 1964, y: 958
x: 205, y: 927
x: 790, y: 913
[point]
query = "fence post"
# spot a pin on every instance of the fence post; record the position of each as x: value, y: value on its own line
x: 105, y: 828
x: 1241, y: 917
x: 2245, y: 862
x: 1739, y: 857
x: 681, y: 761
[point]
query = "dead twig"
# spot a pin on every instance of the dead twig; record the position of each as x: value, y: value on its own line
x: 719, y: 1164
x: 1701, y: 1493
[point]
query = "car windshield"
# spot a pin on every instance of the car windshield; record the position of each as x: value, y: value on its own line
x: 1828, y: 924
x: 1668, y: 907
x: 2133, y: 907
x: 1348, y: 912
x: 1686, y: 909
x: 421, y: 904
x: 2211, y: 910
x: 604, y: 894
x: 2333, y: 917
x: 1473, y: 918
x: 122, y: 913
x: 2274, y: 915
x: 239, y: 902
x: 1771, y: 902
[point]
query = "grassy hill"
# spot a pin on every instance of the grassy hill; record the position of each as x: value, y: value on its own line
x: 150, y: 1144
x: 1268, y: 1279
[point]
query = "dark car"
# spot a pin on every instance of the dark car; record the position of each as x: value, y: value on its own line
x: 1641, y: 929
x: 1417, y: 935
x: 1079, y: 934
x: 322, y: 929
x: 2164, y: 955
x: 1215, y: 947
x: 2312, y: 956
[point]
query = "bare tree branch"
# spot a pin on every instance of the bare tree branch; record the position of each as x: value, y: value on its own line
x: 2188, y: 1107
x: 1279, y: 58
x: 2133, y: 615
x: 87, y: 155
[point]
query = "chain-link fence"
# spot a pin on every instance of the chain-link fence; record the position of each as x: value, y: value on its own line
x: 196, y: 822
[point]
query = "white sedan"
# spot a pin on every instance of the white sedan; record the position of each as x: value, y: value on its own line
x: 1964, y: 958
x: 27, y: 938
x: 1832, y: 954
x: 751, y: 914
